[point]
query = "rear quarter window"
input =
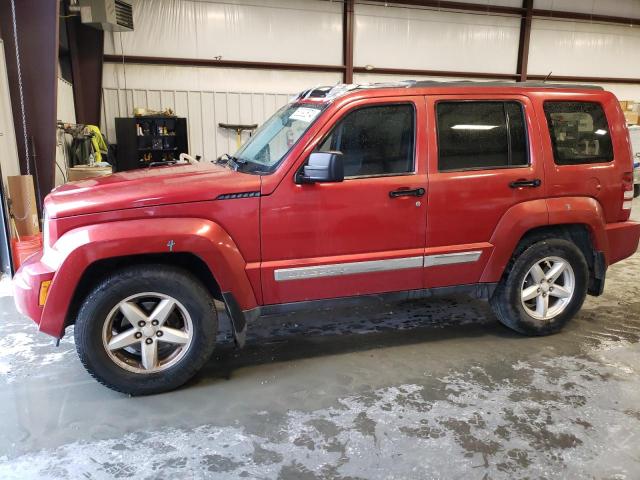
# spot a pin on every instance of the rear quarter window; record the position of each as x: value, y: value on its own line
x: 579, y: 132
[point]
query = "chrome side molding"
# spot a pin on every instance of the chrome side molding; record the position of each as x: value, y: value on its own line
x: 339, y: 269
x: 370, y: 266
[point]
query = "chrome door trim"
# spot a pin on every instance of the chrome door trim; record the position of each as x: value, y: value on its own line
x: 350, y: 268
x: 371, y: 266
x: 452, y: 258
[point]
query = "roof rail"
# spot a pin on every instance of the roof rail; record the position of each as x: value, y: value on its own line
x: 329, y: 93
x: 502, y: 83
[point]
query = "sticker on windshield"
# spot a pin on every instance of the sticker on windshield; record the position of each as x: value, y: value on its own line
x: 304, y: 114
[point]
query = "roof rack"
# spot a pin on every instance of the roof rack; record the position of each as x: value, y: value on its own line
x: 329, y: 93
x: 502, y: 83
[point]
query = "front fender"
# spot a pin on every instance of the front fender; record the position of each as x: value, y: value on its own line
x: 77, y: 249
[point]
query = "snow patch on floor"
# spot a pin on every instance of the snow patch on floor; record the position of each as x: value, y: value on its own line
x: 548, y: 419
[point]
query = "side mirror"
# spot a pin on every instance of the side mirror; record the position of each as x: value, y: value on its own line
x: 323, y: 167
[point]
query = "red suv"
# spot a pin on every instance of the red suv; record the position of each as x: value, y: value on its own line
x: 516, y: 193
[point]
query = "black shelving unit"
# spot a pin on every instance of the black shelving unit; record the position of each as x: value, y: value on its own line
x: 143, y: 140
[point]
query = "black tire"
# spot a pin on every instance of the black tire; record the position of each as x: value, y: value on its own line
x: 506, y: 300
x: 636, y: 190
x: 162, y: 279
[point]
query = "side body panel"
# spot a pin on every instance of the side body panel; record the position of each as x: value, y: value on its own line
x: 467, y: 207
x: 601, y: 181
x: 344, y: 226
x: 238, y: 217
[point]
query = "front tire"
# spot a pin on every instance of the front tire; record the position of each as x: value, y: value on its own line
x: 146, y: 329
x: 543, y: 288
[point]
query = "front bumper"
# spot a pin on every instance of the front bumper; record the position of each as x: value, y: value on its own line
x: 623, y: 238
x: 26, y: 286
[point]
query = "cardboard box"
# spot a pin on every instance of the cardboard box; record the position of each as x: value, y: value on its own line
x: 632, y: 118
x: 623, y: 104
x: 22, y: 204
x: 82, y: 172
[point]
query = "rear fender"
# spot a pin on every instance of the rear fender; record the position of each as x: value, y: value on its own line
x: 526, y: 216
x: 77, y: 249
x: 584, y: 211
x: 516, y: 221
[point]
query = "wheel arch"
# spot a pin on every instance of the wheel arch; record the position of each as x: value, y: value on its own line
x: 204, y: 245
x: 579, y: 219
x: 101, y: 269
x: 581, y: 235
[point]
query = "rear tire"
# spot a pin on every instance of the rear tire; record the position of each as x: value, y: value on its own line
x: 146, y: 329
x: 527, y: 301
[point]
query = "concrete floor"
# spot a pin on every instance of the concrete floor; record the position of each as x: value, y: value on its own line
x: 430, y: 389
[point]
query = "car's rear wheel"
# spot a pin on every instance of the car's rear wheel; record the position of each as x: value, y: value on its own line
x: 543, y: 288
x: 146, y: 329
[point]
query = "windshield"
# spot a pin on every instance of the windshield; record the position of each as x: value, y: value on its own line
x: 273, y: 140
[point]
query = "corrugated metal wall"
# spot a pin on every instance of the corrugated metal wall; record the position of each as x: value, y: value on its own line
x: 203, y: 109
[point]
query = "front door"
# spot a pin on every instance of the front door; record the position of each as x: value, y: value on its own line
x: 364, y: 235
x: 484, y: 158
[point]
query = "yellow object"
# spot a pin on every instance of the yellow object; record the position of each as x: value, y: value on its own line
x: 97, y: 142
x: 44, y: 291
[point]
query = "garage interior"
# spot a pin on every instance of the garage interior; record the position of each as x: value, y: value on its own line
x: 433, y: 388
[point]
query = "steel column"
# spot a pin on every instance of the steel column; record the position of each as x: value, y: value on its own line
x: 523, y: 45
x: 347, y: 40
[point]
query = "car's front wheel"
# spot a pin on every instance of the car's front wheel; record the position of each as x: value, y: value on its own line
x: 543, y: 288
x: 146, y: 329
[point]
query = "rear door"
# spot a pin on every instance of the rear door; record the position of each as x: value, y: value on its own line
x: 484, y: 158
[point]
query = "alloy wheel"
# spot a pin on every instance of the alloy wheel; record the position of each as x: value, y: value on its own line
x: 147, y: 332
x: 547, y: 288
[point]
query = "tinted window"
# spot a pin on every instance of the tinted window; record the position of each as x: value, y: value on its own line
x: 579, y: 132
x: 476, y: 135
x: 375, y: 140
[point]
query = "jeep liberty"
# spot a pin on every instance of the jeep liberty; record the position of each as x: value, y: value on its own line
x: 516, y: 193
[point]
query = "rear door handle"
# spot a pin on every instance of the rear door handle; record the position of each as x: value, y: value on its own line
x: 416, y: 192
x: 536, y: 182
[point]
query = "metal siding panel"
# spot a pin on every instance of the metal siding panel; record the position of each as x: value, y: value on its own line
x: 391, y: 37
x: 208, y: 123
x: 195, y: 119
x: 584, y: 49
x: 154, y: 101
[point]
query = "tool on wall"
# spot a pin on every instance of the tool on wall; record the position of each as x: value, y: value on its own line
x: 239, y: 129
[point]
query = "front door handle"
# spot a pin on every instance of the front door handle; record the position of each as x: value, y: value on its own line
x: 536, y: 182
x: 416, y: 192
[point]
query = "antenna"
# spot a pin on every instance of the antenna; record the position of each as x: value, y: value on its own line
x: 547, y: 77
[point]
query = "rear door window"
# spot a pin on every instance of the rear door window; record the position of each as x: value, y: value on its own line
x: 476, y: 135
x: 579, y: 132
